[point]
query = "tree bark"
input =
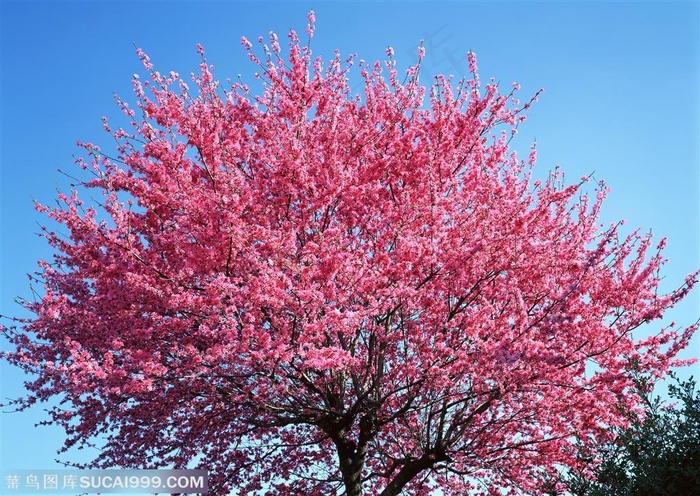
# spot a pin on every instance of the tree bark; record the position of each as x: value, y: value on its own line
x: 352, y: 461
x: 409, y: 471
x: 352, y: 455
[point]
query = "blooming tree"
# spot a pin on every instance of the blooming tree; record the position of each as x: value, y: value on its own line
x: 308, y: 291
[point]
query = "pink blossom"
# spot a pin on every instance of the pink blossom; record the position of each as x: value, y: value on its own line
x: 305, y: 281
x: 471, y: 58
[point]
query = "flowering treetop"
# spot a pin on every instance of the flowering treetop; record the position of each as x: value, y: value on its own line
x: 307, y: 291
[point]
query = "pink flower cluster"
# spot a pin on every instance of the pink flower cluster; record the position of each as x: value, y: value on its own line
x: 306, y: 288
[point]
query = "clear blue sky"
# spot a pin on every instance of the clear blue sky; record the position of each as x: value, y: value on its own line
x: 621, y: 98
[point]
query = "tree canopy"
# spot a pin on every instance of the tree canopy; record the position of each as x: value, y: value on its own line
x: 308, y: 291
x: 659, y: 453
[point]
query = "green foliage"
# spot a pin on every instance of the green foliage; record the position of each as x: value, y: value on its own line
x: 658, y: 455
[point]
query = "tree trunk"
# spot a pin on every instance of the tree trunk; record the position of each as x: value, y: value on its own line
x: 352, y: 456
x: 352, y: 461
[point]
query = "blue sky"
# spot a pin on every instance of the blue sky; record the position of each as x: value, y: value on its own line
x: 621, y: 98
